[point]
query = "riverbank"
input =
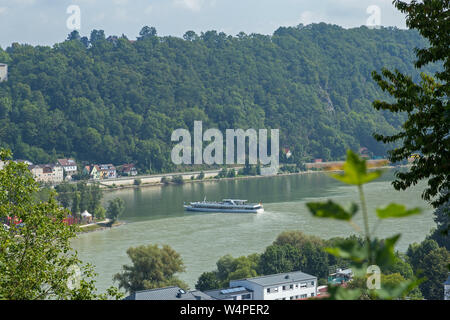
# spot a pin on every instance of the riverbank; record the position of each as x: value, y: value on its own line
x: 98, y: 226
x: 130, y: 183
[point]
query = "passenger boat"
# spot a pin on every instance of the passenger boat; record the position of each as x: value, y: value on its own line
x: 226, y: 205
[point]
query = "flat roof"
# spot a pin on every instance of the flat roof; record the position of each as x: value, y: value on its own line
x: 280, y: 278
x: 168, y: 293
x: 223, y: 294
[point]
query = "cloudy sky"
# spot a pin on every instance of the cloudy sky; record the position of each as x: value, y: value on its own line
x: 44, y: 22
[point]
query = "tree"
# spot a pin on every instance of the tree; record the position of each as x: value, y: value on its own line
x: 74, y: 35
x: 442, y: 219
x: 36, y: 260
x: 431, y: 262
x: 278, y: 259
x: 435, y: 270
x: 152, y: 267
x: 115, y: 209
x: 208, y: 281
x: 372, y: 251
x: 426, y: 130
x: 147, y: 32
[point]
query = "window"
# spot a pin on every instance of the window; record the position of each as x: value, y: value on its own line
x: 312, y: 283
x: 246, y: 296
x: 291, y: 286
x: 312, y: 294
x: 303, y: 285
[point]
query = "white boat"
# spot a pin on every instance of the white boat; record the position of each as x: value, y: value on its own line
x: 226, y: 205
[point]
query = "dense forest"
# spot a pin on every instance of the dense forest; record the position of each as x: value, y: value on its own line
x: 115, y: 100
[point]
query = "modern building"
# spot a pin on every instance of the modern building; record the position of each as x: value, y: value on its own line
x: 168, y: 293
x: 47, y: 173
x: 3, y: 72
x: 69, y: 166
x: 283, y: 286
x: 447, y: 288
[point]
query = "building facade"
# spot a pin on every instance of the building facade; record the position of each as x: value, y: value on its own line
x: 107, y: 171
x: 47, y: 173
x: 3, y: 72
x: 69, y: 166
x: 283, y: 286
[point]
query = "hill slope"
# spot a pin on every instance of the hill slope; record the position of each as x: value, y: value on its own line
x: 115, y: 100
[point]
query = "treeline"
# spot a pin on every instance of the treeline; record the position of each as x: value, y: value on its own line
x: 295, y: 251
x: 112, y: 100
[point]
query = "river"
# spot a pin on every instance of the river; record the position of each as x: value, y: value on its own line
x: 154, y: 215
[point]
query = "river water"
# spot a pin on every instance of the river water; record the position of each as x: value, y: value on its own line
x: 154, y: 215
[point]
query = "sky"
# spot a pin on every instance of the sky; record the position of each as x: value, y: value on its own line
x: 46, y: 22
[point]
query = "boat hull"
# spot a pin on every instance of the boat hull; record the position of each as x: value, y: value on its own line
x: 190, y: 208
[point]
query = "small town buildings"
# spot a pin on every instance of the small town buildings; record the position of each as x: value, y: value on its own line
x: 93, y: 171
x: 107, y: 171
x: 283, y: 286
x: 128, y: 170
x: 447, y: 288
x: 69, y: 166
x: 168, y: 293
x: 3, y: 72
x: 47, y: 173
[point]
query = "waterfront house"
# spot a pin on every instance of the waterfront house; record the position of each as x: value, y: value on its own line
x: 282, y: 286
x: 128, y: 170
x: 168, y: 293
x: 107, y: 171
x: 93, y: 171
x: 69, y: 166
x: 47, y: 173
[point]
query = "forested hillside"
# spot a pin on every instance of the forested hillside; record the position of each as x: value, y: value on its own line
x: 113, y: 100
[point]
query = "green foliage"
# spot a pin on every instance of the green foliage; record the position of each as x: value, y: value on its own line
x: 229, y: 268
x: 178, y: 179
x: 137, y: 182
x: 111, y: 100
x: 115, y: 209
x: 426, y: 129
x: 442, y: 219
x: 371, y: 251
x: 431, y: 262
x: 152, y: 267
x: 35, y: 256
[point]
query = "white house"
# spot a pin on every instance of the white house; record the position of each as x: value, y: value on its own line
x: 69, y: 166
x: 3, y: 72
x: 283, y: 286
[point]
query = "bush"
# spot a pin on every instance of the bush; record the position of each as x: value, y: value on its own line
x: 137, y: 182
x: 178, y: 179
